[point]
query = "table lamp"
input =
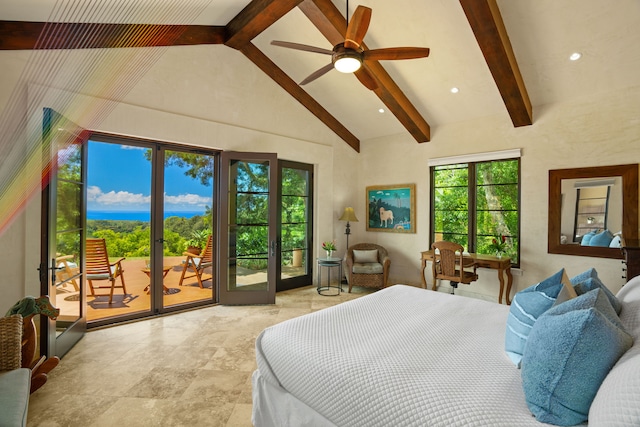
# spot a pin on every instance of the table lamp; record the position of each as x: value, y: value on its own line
x: 349, y: 216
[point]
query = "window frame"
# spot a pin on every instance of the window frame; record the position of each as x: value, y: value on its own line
x: 472, y: 192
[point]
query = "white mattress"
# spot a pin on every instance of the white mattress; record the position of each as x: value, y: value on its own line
x: 402, y: 356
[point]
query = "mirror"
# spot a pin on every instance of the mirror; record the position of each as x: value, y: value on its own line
x: 609, y: 200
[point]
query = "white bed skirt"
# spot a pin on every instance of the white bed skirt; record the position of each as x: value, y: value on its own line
x: 274, y: 407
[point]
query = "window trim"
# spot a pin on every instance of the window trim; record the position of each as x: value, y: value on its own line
x: 477, y: 157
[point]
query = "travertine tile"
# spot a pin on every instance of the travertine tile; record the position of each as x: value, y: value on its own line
x: 185, y: 369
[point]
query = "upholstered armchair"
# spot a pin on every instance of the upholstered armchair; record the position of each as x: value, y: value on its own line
x: 367, y: 265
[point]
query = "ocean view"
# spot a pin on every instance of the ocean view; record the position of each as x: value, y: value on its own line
x: 137, y: 215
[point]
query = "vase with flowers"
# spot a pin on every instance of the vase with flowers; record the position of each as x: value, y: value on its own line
x: 329, y: 247
x: 498, y: 245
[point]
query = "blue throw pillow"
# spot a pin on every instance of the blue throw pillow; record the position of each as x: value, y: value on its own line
x: 601, y: 239
x: 526, y: 307
x: 588, y: 280
x: 587, y: 238
x: 571, y: 349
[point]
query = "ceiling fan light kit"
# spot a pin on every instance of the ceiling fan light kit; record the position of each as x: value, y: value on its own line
x: 346, y: 60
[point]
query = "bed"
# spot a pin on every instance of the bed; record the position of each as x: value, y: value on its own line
x: 406, y: 356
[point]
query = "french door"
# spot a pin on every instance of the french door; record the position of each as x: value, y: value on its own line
x: 248, y: 223
x: 63, y: 230
x: 150, y: 201
x: 147, y: 187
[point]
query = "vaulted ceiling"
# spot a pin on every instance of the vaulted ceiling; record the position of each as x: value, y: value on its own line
x: 506, y: 57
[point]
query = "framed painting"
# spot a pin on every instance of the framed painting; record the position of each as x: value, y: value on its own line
x: 391, y: 208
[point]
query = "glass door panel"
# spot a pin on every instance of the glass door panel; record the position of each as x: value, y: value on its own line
x: 119, y: 211
x: 69, y: 192
x: 249, y: 213
x: 296, y: 197
x: 63, y: 231
x: 188, y: 269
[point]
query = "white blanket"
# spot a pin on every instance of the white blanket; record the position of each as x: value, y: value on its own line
x: 402, y: 356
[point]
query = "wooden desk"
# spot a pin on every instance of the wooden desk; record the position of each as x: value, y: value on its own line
x: 503, y: 265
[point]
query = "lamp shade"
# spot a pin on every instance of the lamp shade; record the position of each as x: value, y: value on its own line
x: 349, y: 215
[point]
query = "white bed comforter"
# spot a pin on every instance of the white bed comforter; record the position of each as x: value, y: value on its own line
x: 402, y: 356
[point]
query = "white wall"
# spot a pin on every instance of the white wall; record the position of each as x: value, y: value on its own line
x: 597, y: 131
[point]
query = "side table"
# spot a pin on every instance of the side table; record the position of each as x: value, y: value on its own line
x: 165, y: 270
x: 329, y: 289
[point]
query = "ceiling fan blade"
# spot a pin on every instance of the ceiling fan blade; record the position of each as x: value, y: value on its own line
x: 358, y: 27
x: 366, y: 79
x: 322, y: 71
x: 392, y: 53
x: 302, y: 47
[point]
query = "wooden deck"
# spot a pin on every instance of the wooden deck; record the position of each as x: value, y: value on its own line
x: 136, y: 299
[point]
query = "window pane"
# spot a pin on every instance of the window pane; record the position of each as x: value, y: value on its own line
x: 252, y: 177
x: 68, y: 205
x: 293, y: 236
x: 451, y: 222
x: 497, y: 172
x: 252, y: 209
x: 294, y: 209
x: 294, y: 182
x: 495, y: 198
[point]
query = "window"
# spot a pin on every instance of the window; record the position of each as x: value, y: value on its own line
x: 475, y: 202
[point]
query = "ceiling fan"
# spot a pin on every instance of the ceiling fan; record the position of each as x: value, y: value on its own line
x: 348, y: 56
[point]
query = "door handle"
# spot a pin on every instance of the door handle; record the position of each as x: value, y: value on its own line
x: 273, y: 248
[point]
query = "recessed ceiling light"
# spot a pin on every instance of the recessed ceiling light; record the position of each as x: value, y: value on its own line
x: 575, y: 56
x: 455, y: 90
x: 381, y: 110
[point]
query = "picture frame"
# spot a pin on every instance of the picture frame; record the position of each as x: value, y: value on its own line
x: 391, y: 208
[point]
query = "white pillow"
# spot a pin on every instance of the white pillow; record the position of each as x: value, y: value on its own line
x: 365, y: 256
x: 615, y: 242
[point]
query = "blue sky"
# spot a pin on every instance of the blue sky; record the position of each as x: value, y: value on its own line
x: 119, y: 179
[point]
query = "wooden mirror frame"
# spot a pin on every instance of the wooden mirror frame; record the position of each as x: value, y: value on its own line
x: 629, y: 174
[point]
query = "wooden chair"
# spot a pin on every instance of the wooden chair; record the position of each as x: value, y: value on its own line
x: 373, y: 273
x: 451, y: 265
x: 98, y: 268
x: 198, y: 263
x: 67, y: 270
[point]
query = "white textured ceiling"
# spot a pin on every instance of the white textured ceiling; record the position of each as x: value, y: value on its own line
x: 543, y: 34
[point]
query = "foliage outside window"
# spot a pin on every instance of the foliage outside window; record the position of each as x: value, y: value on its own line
x: 474, y: 203
x: 295, y: 211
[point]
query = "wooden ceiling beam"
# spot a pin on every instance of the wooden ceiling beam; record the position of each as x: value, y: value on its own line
x: 332, y: 24
x: 295, y: 90
x: 21, y: 35
x: 256, y: 17
x: 486, y: 22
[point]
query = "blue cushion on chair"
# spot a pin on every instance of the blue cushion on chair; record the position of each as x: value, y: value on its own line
x: 570, y: 350
x: 526, y: 307
x: 588, y: 280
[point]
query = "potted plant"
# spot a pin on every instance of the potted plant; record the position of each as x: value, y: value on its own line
x: 499, y: 245
x: 197, y: 241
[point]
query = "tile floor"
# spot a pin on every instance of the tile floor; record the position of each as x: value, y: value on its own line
x: 186, y: 369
